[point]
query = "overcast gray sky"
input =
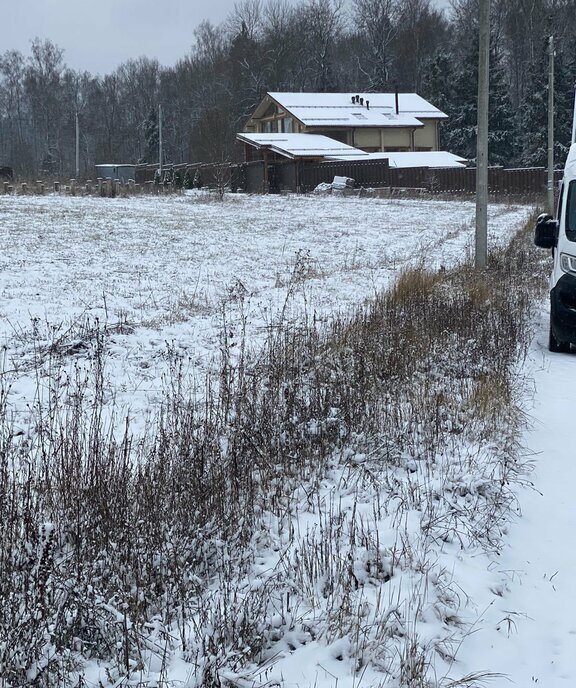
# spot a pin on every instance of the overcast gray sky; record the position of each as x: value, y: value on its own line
x: 97, y: 35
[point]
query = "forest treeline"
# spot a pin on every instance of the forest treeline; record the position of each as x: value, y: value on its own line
x: 276, y: 45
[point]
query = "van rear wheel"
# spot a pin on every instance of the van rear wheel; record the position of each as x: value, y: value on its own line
x: 556, y: 346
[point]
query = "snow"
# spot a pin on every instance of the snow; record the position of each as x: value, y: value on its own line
x: 336, y: 109
x: 416, y: 159
x: 317, y: 145
x: 357, y: 117
x: 302, y: 145
x: 527, y: 631
x: 164, y: 272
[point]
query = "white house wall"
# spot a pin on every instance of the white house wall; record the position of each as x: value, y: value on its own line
x: 427, y: 136
x: 396, y: 138
x: 367, y: 138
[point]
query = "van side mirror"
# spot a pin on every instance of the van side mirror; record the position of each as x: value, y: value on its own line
x: 546, y: 232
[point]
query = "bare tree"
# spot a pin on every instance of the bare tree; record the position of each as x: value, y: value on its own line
x: 322, y: 27
x: 375, y: 26
x: 421, y: 29
x: 139, y: 85
x: 43, y: 84
x: 12, y: 106
x: 280, y: 44
x: 108, y: 123
x: 247, y: 18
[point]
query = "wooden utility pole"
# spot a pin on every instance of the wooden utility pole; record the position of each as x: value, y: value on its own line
x: 550, y: 184
x: 481, y: 253
x: 160, y: 140
x: 77, y: 147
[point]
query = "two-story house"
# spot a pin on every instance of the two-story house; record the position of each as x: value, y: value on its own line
x: 371, y: 122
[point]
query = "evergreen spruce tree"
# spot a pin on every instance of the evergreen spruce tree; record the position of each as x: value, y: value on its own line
x: 533, y: 116
x: 188, y: 179
x: 452, y: 85
x: 460, y: 130
x: 501, y: 120
x: 438, y: 81
x: 564, y: 75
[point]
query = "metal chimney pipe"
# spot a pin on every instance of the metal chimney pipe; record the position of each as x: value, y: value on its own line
x: 396, y: 99
x: 361, y: 101
x: 367, y: 104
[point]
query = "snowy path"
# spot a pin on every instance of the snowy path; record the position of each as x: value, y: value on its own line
x: 528, y: 634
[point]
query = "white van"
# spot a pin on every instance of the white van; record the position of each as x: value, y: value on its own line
x: 560, y: 236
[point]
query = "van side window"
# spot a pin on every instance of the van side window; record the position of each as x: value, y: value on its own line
x: 571, y: 212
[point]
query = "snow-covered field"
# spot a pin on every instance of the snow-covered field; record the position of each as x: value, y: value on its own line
x: 166, y: 276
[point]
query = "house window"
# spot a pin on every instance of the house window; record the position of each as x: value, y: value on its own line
x: 287, y: 125
x: 266, y: 127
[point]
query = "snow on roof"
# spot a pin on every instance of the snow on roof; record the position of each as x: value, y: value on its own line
x: 416, y: 159
x: 337, y: 109
x: 318, y: 146
x: 302, y: 145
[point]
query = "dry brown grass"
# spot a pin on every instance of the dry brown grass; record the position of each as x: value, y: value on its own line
x: 111, y: 545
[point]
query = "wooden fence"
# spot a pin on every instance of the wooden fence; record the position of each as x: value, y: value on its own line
x: 463, y: 180
x: 302, y: 176
x: 256, y: 177
x: 373, y: 174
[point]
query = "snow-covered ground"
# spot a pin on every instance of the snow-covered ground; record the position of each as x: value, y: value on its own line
x: 164, y: 275
x: 527, y: 626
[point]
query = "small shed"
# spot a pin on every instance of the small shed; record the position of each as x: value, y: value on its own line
x: 123, y: 172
